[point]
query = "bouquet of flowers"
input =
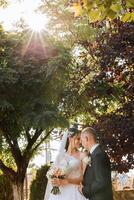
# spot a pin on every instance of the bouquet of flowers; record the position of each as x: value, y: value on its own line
x: 56, y: 173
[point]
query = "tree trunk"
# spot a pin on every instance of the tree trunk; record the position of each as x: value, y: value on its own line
x: 18, y: 191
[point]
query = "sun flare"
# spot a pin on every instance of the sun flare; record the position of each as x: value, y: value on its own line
x: 26, y: 10
x: 36, y: 21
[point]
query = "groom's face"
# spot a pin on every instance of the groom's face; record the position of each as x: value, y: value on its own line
x: 84, y: 141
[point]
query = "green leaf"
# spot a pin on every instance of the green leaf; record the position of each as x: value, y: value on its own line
x: 95, y: 15
x: 132, y: 16
x: 111, y: 14
x: 126, y: 17
x: 116, y: 8
x: 129, y: 3
x: 77, y: 9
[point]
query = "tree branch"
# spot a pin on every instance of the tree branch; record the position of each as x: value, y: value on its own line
x: 42, y: 140
x: 13, y: 144
x: 28, y: 135
x: 32, y: 141
x: 8, y: 171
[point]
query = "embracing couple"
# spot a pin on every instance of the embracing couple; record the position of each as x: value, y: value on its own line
x: 83, y: 175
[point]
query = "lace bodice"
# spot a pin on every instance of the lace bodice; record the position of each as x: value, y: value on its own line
x: 69, y: 163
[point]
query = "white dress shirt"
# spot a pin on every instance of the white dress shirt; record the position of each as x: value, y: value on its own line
x: 93, y: 148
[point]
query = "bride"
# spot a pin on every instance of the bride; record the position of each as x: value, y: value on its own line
x: 68, y: 153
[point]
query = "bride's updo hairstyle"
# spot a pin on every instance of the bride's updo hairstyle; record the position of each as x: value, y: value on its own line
x: 72, y: 131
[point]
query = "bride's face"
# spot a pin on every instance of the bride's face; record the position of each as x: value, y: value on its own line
x: 77, y: 141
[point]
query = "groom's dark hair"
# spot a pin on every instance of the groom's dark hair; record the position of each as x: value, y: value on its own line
x: 92, y: 131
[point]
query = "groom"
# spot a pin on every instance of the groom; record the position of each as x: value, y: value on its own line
x: 97, y: 177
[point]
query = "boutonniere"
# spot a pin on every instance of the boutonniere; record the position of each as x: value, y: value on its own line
x: 87, y: 160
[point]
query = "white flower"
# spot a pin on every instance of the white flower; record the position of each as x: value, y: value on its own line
x: 51, y: 172
x: 87, y: 160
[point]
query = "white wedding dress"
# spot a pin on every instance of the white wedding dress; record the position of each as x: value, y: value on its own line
x: 70, y: 191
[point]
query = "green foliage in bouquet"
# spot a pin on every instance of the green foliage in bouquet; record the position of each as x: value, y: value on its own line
x: 56, y: 190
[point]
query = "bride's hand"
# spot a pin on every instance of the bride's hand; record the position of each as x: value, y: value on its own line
x: 64, y: 182
x: 59, y: 182
x: 80, y: 188
x: 55, y: 182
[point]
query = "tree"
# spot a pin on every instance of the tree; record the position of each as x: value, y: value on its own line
x: 101, y: 77
x: 100, y: 10
x: 107, y: 88
x: 116, y: 136
x: 63, y: 26
x: 32, y: 82
x: 111, y: 86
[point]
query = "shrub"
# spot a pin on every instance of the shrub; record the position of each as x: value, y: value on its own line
x: 5, y: 188
x: 38, y: 185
